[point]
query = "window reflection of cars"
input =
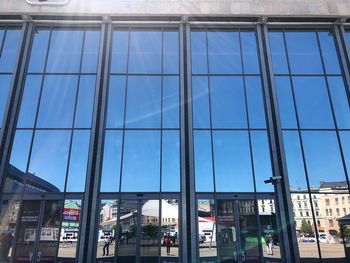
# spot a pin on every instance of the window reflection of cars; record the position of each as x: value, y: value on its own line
x: 307, y: 238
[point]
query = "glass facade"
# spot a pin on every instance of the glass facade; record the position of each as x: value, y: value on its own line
x: 172, y: 143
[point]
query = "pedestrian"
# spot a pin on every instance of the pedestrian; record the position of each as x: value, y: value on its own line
x: 167, y: 241
x: 269, y: 244
x: 106, y: 246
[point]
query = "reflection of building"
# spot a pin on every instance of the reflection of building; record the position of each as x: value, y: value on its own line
x: 34, y: 184
x: 328, y: 207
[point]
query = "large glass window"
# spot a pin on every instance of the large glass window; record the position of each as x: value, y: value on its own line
x: 142, y: 129
x: 231, y: 144
x: 9, y: 44
x: 51, y: 143
x: 314, y: 113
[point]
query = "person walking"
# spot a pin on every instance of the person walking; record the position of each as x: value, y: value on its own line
x: 106, y: 246
x: 269, y: 244
x: 167, y: 241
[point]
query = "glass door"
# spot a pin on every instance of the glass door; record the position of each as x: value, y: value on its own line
x: 227, y: 231
x: 27, y: 232
x: 138, y: 238
x: 237, y: 231
x: 42, y: 217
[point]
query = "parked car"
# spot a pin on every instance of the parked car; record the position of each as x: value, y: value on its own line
x: 307, y: 238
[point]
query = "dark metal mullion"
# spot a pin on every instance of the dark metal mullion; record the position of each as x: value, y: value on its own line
x: 3, y: 42
x: 301, y: 143
x: 307, y: 75
x: 210, y: 113
x: 256, y: 205
x: 38, y: 231
x: 247, y: 112
x: 182, y: 241
x: 38, y: 106
x: 333, y: 112
x: 189, y: 207
x: 284, y: 211
x: 124, y: 117
x: 89, y: 203
x: 146, y: 74
x: 161, y: 150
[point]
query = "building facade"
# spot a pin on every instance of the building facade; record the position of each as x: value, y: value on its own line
x: 174, y: 131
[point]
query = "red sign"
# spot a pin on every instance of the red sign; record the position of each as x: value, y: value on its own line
x: 71, y: 214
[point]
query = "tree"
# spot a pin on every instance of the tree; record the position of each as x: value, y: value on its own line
x: 306, y: 227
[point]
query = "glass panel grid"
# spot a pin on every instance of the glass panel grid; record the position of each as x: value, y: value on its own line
x: 231, y: 144
x: 314, y: 113
x: 142, y: 129
x: 50, y: 148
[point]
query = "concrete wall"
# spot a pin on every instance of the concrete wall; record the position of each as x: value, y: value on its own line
x: 183, y: 7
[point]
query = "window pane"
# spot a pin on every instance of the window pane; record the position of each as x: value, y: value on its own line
x: 145, y: 52
x: 107, y: 229
x: 329, y: 52
x: 143, y: 102
x: 141, y: 162
x: 57, y: 102
x: 9, y: 51
x: 224, y: 53
x: 255, y: 99
x: 250, y: 53
x: 90, y: 53
x: 285, y: 102
x: 203, y: 162
x: 170, y: 224
x: 278, y: 54
x: 49, y: 158
x: 116, y: 102
x: 306, y: 229
x: 171, y: 161
x: 111, y: 161
x: 78, y: 161
x: 200, y: 100
x: 232, y: 162
x: 199, y: 53
x: 29, y: 103
x: 69, y: 235
x: 261, y: 161
x: 228, y: 102
x: 20, y: 150
x: 171, y: 100
x: 340, y: 101
x: 207, y: 228
x: 312, y: 101
x: 295, y: 164
x: 16, y: 169
x: 39, y: 50
x: 170, y: 52
x: 119, y: 51
x: 5, y: 86
x: 323, y: 160
x: 65, y: 51
x: 303, y: 52
x: 85, y: 103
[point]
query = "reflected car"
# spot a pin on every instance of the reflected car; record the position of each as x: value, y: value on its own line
x: 307, y: 238
x: 326, y: 238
